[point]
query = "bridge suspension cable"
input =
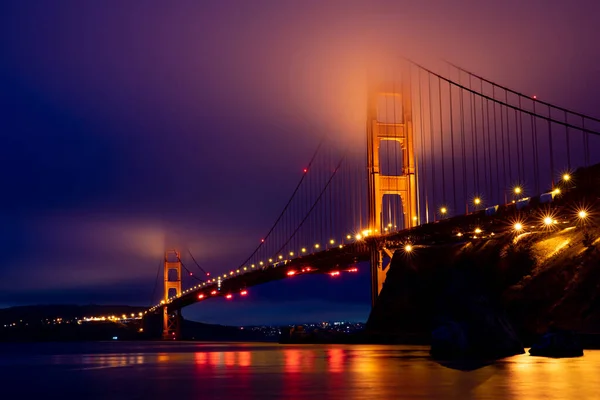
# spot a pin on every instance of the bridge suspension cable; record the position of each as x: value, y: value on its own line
x: 287, y: 205
x: 517, y: 93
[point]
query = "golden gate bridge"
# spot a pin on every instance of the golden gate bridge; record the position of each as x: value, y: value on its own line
x: 452, y: 157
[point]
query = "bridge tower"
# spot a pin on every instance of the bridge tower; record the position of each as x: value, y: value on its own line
x: 171, y: 318
x: 399, y: 129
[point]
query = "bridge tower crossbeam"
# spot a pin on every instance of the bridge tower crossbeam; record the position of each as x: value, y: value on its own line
x: 171, y: 320
x: 400, y: 130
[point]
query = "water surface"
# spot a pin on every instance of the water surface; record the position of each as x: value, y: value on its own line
x: 152, y: 370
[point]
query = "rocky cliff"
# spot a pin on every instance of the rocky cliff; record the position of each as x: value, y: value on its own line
x: 546, y: 277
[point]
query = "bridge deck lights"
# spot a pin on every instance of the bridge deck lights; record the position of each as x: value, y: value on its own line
x: 408, y: 248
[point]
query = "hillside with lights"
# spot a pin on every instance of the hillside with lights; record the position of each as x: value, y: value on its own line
x: 539, y: 268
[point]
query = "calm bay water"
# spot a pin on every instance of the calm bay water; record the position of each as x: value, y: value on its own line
x: 122, y: 370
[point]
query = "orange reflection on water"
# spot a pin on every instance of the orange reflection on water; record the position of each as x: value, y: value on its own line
x: 550, y: 378
x: 292, y: 360
x: 200, y: 358
x: 229, y: 358
x: 215, y: 358
x: 335, y: 358
x: 244, y: 358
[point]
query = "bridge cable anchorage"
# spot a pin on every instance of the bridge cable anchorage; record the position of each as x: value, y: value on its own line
x: 595, y: 119
x: 512, y: 107
x: 313, y: 206
x: 305, y: 172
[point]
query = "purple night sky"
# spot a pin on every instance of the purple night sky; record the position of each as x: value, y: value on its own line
x: 131, y: 126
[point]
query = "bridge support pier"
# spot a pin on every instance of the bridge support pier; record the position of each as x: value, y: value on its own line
x: 381, y: 259
x: 171, y: 319
x: 171, y: 324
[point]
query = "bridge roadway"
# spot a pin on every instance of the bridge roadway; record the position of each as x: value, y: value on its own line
x: 482, y: 224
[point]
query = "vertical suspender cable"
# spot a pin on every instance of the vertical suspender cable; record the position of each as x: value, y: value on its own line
x: 509, y: 158
x: 550, y: 145
x: 485, y: 145
x: 568, y: 142
x: 463, y: 144
x: 522, y: 138
x: 442, y: 143
x: 431, y: 142
x: 473, y: 142
x: 452, y: 148
x: 535, y: 151
x: 422, y: 175
x: 498, y: 194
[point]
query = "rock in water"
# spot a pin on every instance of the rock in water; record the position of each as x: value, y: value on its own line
x: 472, y: 328
x: 558, y: 344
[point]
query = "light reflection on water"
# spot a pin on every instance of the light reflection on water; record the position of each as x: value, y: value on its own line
x: 257, y: 371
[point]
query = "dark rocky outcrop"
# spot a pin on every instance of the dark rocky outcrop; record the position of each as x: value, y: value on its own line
x: 466, y: 295
x: 557, y: 343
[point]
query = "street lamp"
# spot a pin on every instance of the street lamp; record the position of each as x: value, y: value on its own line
x: 443, y: 211
x: 518, y: 227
